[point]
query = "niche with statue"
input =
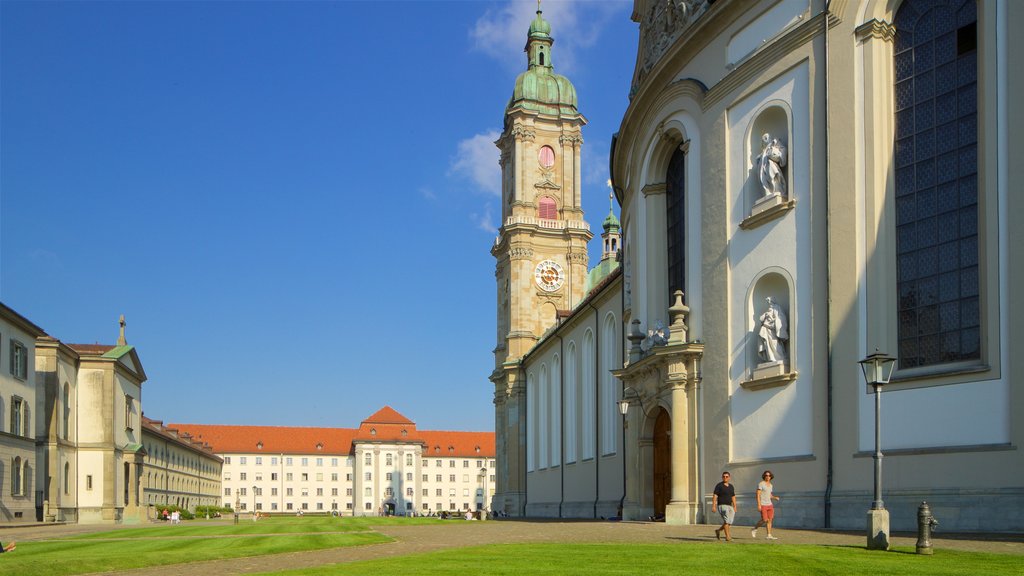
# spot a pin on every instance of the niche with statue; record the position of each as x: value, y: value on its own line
x: 771, y: 338
x: 767, y: 192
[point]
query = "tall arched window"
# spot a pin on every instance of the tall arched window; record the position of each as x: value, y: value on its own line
x: 66, y: 407
x: 937, y: 251
x: 675, y: 221
x: 609, y: 395
x: 587, y: 401
x: 16, y: 477
x: 543, y: 416
x: 67, y: 478
x: 555, y: 386
x: 571, y: 409
x: 531, y: 422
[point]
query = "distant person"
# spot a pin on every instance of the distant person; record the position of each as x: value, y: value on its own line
x: 764, y: 504
x: 9, y: 548
x: 724, y: 502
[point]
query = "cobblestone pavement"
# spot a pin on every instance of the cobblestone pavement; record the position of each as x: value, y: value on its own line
x: 456, y: 534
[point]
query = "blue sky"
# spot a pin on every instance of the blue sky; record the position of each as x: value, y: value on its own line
x: 292, y: 203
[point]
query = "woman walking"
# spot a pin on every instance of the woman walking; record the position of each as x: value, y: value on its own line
x: 764, y: 504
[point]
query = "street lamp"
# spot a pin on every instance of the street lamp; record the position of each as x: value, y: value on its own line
x: 483, y: 500
x: 627, y: 393
x: 253, y: 500
x: 877, y: 370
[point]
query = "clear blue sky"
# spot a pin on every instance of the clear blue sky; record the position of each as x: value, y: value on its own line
x: 292, y: 203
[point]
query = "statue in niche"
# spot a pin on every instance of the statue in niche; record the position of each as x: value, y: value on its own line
x: 770, y: 164
x: 772, y: 334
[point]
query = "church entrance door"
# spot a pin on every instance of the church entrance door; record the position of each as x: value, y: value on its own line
x: 662, y: 462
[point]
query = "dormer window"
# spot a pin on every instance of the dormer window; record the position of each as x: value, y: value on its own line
x: 373, y: 431
x: 319, y: 446
x: 259, y: 445
x: 405, y: 432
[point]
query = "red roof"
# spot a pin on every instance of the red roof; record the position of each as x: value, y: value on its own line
x: 92, y: 348
x: 388, y: 415
x: 386, y: 425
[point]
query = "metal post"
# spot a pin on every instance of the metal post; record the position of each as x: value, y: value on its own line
x: 877, y: 503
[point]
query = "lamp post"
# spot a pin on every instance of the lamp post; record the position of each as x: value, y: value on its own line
x: 877, y: 369
x: 254, y: 501
x: 623, y: 409
x: 627, y: 393
x: 483, y: 500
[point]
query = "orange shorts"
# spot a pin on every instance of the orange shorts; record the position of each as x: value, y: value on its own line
x: 767, y: 513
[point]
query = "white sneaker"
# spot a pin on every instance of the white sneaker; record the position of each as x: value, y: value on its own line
x: 753, y: 533
x: 770, y: 537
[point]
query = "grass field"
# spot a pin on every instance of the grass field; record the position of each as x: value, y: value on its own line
x: 167, y: 545
x: 710, y: 559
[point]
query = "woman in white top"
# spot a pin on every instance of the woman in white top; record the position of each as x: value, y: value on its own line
x: 764, y: 504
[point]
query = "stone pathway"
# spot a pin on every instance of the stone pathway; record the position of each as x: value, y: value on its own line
x: 413, y: 539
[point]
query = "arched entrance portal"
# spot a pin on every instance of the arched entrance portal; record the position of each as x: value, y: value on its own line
x: 662, y: 488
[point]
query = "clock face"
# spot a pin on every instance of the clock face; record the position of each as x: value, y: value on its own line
x: 549, y: 275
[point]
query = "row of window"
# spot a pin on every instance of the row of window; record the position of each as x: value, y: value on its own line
x: 319, y: 462
x: 289, y: 506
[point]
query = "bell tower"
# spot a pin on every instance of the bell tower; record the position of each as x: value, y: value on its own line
x: 541, y: 248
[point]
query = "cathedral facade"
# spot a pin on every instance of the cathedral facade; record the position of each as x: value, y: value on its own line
x: 802, y: 183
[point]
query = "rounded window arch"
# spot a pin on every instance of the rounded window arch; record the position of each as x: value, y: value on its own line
x: 547, y: 209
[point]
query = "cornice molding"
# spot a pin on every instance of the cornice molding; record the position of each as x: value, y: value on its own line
x: 877, y: 29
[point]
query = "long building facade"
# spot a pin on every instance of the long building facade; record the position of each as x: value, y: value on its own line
x: 801, y: 183
x: 385, y: 466
x: 75, y: 446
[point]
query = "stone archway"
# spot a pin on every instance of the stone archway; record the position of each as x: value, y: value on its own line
x: 662, y: 476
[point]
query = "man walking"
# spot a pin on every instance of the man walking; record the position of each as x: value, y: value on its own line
x: 724, y: 502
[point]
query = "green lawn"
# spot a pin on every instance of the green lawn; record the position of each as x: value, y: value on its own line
x: 164, y: 544
x: 703, y: 559
x: 187, y: 542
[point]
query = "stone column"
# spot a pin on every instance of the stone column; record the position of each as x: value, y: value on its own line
x: 677, y: 511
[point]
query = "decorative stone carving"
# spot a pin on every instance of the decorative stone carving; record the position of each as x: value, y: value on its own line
x: 521, y: 133
x: 577, y: 258
x: 574, y: 140
x: 546, y: 181
x: 657, y: 336
x: 664, y: 22
x: 519, y: 253
x: 678, y: 313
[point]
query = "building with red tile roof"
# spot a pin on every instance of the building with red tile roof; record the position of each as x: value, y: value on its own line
x: 386, y: 465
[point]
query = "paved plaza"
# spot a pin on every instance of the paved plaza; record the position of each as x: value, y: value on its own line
x: 415, y: 539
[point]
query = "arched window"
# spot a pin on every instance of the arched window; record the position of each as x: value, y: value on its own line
x: 588, y: 405
x: 67, y: 478
x: 66, y: 407
x: 675, y: 221
x: 16, y: 477
x: 937, y: 252
x: 570, y: 386
x: 546, y: 209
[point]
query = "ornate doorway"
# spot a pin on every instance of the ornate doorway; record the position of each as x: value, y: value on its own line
x: 662, y: 462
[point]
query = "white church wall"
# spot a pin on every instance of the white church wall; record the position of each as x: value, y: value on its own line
x: 774, y: 422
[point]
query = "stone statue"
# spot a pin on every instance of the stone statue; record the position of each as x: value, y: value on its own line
x: 770, y: 164
x: 772, y: 334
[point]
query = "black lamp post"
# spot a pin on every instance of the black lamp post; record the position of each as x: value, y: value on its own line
x: 877, y: 370
x: 627, y: 392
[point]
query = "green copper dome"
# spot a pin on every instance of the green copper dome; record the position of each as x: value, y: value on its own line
x: 540, y: 27
x: 539, y: 89
x: 611, y: 223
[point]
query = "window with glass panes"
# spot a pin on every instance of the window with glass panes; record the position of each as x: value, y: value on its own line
x: 936, y: 158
